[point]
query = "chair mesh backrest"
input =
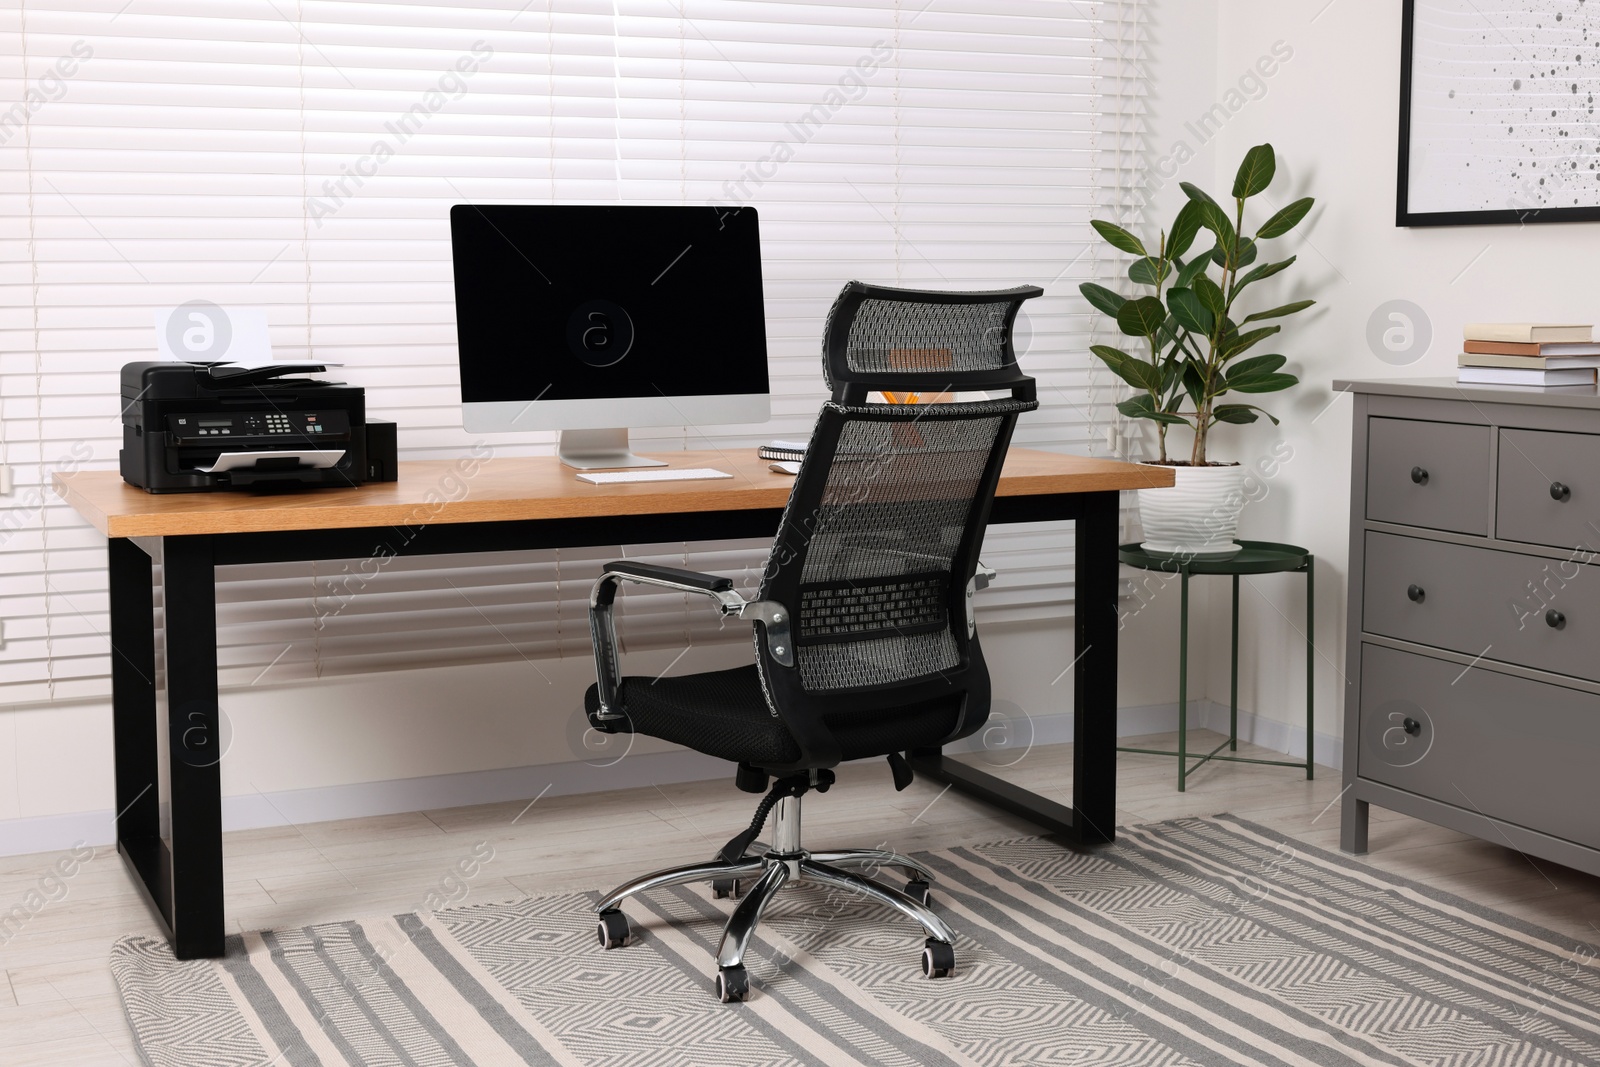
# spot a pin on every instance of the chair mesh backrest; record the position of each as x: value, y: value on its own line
x: 882, y: 530
x: 897, y: 336
x: 875, y: 591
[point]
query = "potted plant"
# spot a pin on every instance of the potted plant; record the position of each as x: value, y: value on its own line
x: 1193, y: 349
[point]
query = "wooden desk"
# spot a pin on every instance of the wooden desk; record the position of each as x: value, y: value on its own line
x: 482, y: 504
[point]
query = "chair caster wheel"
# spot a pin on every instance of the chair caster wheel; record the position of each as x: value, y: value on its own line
x: 733, y: 985
x: 920, y: 891
x: 613, y: 929
x: 938, y: 959
x: 725, y: 888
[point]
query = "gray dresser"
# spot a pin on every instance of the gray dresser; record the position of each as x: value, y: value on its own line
x: 1472, y: 695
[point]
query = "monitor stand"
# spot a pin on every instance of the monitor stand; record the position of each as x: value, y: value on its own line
x: 590, y: 450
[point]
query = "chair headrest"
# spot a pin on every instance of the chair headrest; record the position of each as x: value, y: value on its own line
x: 923, y: 340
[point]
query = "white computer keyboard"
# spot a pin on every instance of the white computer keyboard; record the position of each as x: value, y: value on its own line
x: 658, y: 474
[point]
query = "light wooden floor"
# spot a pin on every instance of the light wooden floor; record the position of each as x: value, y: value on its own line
x: 58, y: 1005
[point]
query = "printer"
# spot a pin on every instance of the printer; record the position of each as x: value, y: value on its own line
x: 197, y: 427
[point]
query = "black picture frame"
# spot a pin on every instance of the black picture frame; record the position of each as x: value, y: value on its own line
x: 1404, y: 216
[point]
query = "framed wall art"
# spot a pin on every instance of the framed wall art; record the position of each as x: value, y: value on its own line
x: 1497, y: 112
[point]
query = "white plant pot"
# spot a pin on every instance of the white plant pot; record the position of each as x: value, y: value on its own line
x: 1197, y: 517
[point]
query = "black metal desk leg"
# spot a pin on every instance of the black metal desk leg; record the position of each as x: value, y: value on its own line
x: 133, y: 717
x: 1092, y: 818
x: 189, y: 585
x: 1095, y: 621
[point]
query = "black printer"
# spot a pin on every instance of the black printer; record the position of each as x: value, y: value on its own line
x: 194, y: 427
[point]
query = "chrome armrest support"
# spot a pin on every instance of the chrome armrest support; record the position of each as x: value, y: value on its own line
x: 982, y: 578
x: 603, y: 630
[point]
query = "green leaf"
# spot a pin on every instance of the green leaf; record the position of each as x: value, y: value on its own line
x: 1255, y: 173
x: 1243, y: 256
x: 1141, y: 317
x: 1111, y: 357
x: 1254, y: 366
x: 1194, y: 192
x: 1136, y: 372
x: 1190, y: 311
x: 1266, y: 270
x: 1194, y: 383
x: 1143, y: 407
x: 1285, y: 220
x: 1102, y: 299
x: 1238, y: 342
x: 1119, y: 238
x: 1192, y: 270
x: 1216, y: 220
x: 1171, y: 372
x: 1140, y: 375
x: 1263, y: 383
x: 1146, y: 271
x: 1210, y: 295
x: 1184, y: 229
x: 1168, y: 334
x: 1241, y: 413
x: 1280, y: 311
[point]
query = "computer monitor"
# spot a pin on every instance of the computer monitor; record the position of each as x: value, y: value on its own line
x: 594, y: 319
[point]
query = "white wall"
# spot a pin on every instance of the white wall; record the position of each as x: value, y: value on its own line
x: 1331, y: 114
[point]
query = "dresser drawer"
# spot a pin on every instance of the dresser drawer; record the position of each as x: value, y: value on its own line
x: 1433, y: 474
x: 1548, y: 488
x: 1480, y: 601
x: 1520, y: 751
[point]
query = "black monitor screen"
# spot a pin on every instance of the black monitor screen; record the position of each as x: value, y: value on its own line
x: 567, y: 302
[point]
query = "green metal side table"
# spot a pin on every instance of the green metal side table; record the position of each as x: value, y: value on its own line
x: 1257, y: 557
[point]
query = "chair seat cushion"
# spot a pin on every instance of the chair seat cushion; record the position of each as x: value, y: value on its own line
x: 725, y: 714
x: 720, y: 713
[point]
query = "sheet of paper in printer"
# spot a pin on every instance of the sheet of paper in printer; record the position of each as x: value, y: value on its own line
x: 314, y: 457
x: 203, y: 332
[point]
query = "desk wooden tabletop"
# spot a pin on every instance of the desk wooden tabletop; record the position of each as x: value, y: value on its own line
x: 508, y: 489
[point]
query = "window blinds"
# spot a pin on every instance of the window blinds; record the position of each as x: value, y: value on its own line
x: 301, y: 156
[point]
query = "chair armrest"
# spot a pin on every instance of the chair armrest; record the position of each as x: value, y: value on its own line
x: 671, y: 576
x: 602, y: 626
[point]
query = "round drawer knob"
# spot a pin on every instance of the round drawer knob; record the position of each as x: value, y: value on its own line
x: 1560, y: 492
x: 1411, y: 726
x: 1554, y: 619
x: 1419, y: 475
x: 1416, y: 593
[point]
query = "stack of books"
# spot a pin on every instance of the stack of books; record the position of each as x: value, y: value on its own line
x: 1528, y: 353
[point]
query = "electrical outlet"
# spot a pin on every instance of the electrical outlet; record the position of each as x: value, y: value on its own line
x: 5, y: 481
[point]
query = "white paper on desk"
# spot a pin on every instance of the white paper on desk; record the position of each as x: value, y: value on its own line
x: 314, y: 457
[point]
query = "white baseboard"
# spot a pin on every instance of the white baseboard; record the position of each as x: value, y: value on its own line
x: 54, y: 833
x: 1001, y: 737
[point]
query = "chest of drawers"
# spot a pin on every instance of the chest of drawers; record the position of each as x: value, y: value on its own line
x: 1472, y: 694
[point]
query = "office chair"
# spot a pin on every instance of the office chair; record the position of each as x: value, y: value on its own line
x: 864, y: 638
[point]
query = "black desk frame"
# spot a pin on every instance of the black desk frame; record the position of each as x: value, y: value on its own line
x: 183, y: 880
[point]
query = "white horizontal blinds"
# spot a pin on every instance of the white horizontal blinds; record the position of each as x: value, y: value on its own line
x: 51, y: 569
x: 1119, y: 197
x: 293, y: 622
x: 964, y: 149
x: 301, y: 156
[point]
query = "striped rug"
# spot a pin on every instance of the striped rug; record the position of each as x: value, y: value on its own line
x: 1198, y: 941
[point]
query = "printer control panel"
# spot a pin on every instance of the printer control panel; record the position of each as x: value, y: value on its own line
x: 273, y: 425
